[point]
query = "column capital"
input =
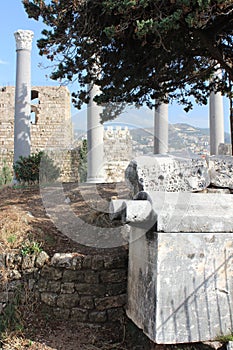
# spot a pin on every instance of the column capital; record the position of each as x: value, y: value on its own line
x: 23, y: 39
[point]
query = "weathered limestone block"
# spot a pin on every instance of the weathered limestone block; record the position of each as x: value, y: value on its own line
x: 68, y: 260
x: 28, y: 262
x: 180, y: 285
x: 110, y: 302
x: 193, y: 212
x: 41, y: 259
x: 51, y: 273
x: 73, y: 276
x: 167, y: 173
x: 221, y: 171
x: 68, y: 300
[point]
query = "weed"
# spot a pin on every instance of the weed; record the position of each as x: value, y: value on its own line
x: 224, y: 338
x: 30, y: 248
x: 5, y: 174
x: 11, y: 239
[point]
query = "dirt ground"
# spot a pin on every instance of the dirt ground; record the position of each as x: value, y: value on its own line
x: 24, y: 216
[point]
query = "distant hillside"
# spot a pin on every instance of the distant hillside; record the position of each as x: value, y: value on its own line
x: 177, y: 134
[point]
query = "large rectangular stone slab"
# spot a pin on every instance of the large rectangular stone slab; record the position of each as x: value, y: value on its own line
x: 193, y: 212
x: 167, y: 173
x: 180, y: 285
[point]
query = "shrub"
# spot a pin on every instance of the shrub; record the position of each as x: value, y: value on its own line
x: 35, y: 167
x: 5, y: 174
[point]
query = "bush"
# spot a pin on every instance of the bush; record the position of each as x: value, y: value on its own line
x: 35, y: 167
x: 5, y: 174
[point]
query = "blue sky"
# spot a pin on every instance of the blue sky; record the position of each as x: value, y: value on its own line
x: 13, y: 17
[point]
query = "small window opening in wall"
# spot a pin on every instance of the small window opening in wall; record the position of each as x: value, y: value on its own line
x: 33, y: 118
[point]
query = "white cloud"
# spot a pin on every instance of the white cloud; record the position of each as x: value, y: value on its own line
x: 3, y: 62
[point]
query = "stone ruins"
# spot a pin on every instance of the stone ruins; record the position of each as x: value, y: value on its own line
x: 39, y: 118
x: 51, y: 129
x: 180, y: 246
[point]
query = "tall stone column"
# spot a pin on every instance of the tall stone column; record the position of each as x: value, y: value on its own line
x: 95, y: 139
x: 161, y: 129
x: 22, y: 94
x: 216, y: 121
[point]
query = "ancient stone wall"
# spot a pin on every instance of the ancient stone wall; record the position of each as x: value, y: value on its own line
x: 117, y: 153
x: 51, y: 127
x: 72, y: 286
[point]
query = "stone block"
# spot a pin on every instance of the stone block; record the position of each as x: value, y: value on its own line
x: 221, y: 171
x: 67, y: 260
x: 180, y: 285
x: 90, y: 289
x: 67, y: 287
x: 49, y: 298
x: 113, y: 276
x: 41, y: 259
x: 110, y: 302
x: 167, y: 173
x: 73, y: 276
x: 52, y: 286
x: 91, y: 276
x: 68, y: 301
x: 87, y: 303
x: 116, y: 261
x: 53, y: 273
x: 193, y: 212
x: 28, y: 262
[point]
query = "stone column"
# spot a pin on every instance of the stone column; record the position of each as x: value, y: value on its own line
x: 161, y: 129
x: 22, y: 94
x: 95, y: 145
x: 216, y: 121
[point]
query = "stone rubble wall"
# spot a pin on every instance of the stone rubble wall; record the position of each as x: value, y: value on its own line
x: 67, y: 161
x: 118, y: 152
x: 71, y: 286
x: 51, y: 130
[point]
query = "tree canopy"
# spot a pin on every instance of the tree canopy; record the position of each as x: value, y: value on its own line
x: 138, y: 51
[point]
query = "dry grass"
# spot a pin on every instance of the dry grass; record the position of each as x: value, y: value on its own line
x: 14, y: 228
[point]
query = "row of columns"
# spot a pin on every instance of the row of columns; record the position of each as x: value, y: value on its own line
x: 94, y: 127
x: 216, y: 125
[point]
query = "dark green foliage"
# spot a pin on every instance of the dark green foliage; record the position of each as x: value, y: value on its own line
x: 146, y: 50
x: 36, y: 167
x: 82, y: 169
x: 5, y: 174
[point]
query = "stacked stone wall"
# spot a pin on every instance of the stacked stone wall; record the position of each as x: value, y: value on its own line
x: 118, y: 150
x: 51, y: 129
x: 71, y: 286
